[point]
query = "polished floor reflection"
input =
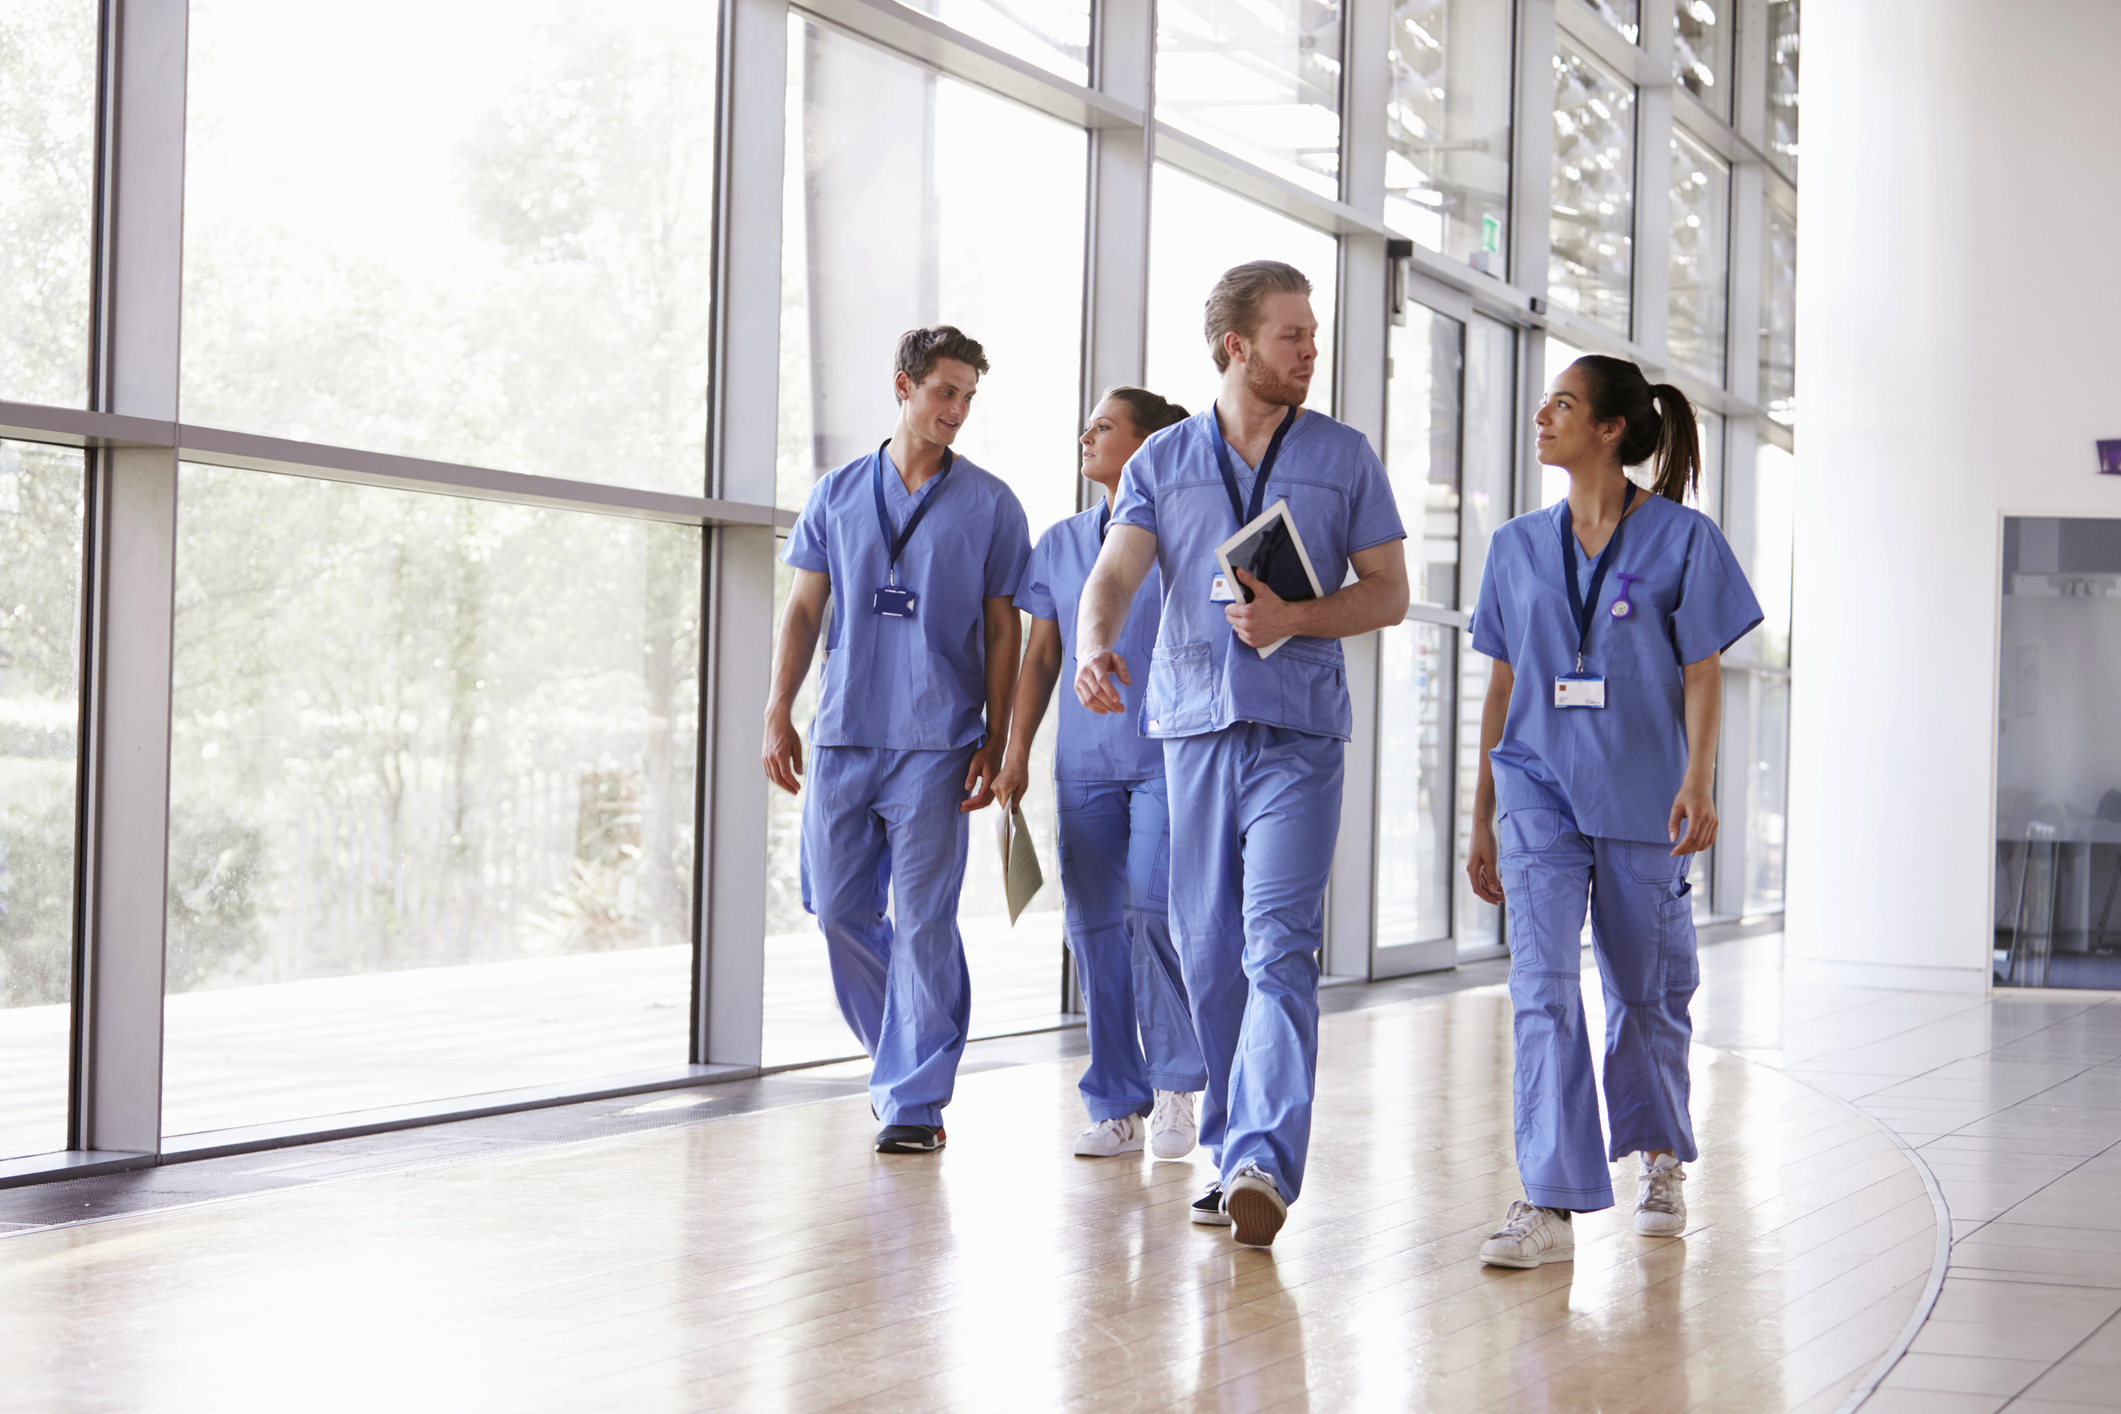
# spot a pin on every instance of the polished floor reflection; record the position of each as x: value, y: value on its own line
x: 770, y: 1261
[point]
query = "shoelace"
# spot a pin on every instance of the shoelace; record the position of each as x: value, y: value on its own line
x: 1659, y: 1188
x: 1519, y: 1221
x: 1171, y: 1108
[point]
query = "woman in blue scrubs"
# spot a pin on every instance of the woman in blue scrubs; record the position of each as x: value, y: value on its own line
x: 1115, y: 834
x: 1606, y: 615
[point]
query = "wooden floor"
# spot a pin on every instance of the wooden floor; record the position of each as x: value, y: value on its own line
x: 772, y: 1262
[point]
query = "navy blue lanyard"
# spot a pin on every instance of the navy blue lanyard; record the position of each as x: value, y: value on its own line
x: 897, y: 542
x: 1266, y: 468
x: 1104, y: 521
x: 1577, y: 607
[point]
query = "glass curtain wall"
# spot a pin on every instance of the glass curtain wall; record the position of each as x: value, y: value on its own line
x: 1259, y: 79
x: 1782, y: 92
x: 1593, y: 204
x: 1701, y: 51
x: 1778, y: 314
x: 40, y: 712
x: 1696, y: 322
x: 1447, y: 163
x: 1053, y: 34
x: 47, y: 171
x: 912, y: 199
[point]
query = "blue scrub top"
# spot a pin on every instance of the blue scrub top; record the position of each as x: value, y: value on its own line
x: 1203, y: 678
x: 1090, y: 746
x: 1613, y: 770
x: 915, y: 684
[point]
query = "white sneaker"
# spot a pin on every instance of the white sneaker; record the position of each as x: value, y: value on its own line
x: 1256, y: 1206
x: 1660, y: 1208
x: 1172, y: 1128
x: 1529, y: 1236
x: 1108, y: 1137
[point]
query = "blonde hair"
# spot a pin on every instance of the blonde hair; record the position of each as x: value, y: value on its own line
x: 1233, y: 305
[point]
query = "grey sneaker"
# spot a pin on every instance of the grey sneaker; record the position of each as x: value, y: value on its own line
x: 1530, y: 1236
x: 1172, y: 1128
x: 1660, y: 1208
x: 1256, y: 1206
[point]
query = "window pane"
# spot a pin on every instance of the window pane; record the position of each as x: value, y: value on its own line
x: 1701, y: 51
x: 489, y: 246
x: 1053, y: 34
x: 1767, y: 795
x: 40, y: 667
x: 1782, y: 110
x: 1701, y: 204
x: 431, y: 797
x: 1774, y: 513
x: 1708, y: 496
x: 47, y: 163
x: 1414, y: 762
x: 1485, y: 501
x: 1259, y: 79
x: 1593, y: 190
x: 1196, y: 233
x: 1623, y: 15
x: 912, y: 199
x: 1778, y: 317
x: 1447, y: 167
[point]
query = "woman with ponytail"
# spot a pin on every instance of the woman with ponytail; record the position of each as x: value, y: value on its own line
x: 1607, y: 615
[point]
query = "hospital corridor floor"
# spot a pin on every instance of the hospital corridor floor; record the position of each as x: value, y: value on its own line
x: 695, y: 1253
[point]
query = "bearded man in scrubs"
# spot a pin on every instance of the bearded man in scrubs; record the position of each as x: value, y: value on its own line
x: 1253, y: 743
x: 919, y: 554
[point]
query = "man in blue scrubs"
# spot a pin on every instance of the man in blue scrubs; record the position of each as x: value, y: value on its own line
x: 919, y: 554
x: 1253, y: 743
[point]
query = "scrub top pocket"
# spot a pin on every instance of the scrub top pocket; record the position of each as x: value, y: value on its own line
x: 1181, y: 694
x: 1314, y: 686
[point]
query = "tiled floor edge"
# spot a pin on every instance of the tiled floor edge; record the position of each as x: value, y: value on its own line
x: 1939, y: 1263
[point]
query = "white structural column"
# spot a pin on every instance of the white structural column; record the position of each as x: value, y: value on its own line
x: 1116, y: 252
x: 1359, y: 400
x: 131, y: 537
x: 1653, y: 187
x: 1943, y: 384
x: 728, y: 1020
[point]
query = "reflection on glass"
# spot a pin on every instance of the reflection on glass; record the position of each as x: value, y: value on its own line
x: 1767, y: 794
x: 1701, y: 51
x: 1774, y: 528
x: 1447, y: 161
x: 914, y: 200
x: 1623, y: 15
x: 1593, y: 189
x: 1414, y: 708
x: 1707, y: 497
x: 1782, y: 109
x: 1701, y: 204
x: 503, y: 262
x: 2058, y: 758
x: 40, y: 664
x: 1196, y: 232
x: 1259, y: 79
x: 431, y: 797
x: 1778, y: 316
x: 47, y: 159
x: 1485, y: 501
x: 1053, y: 34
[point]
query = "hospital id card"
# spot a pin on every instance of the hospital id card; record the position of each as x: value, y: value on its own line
x: 894, y: 603
x: 1220, y: 592
x: 1579, y: 692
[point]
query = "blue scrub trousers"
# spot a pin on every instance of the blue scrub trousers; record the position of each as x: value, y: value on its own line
x: 1642, y: 930
x: 1255, y: 812
x: 1115, y: 864
x: 876, y: 819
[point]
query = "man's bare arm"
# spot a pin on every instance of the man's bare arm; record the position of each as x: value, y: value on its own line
x: 1377, y: 599
x: 1005, y: 641
x: 1120, y: 569
x: 805, y: 615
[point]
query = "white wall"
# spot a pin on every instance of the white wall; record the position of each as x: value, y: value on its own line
x: 1959, y: 351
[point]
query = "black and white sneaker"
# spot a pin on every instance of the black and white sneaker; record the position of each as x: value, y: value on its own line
x: 910, y: 1139
x: 1208, y: 1209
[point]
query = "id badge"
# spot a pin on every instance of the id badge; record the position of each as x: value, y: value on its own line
x: 1579, y: 692
x: 894, y: 603
x: 1220, y: 592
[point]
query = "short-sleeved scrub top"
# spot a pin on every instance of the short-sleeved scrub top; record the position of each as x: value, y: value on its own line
x: 1087, y: 745
x: 912, y: 684
x: 1616, y: 769
x: 1204, y: 678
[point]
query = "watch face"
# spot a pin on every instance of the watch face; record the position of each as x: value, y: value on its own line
x: 1622, y: 608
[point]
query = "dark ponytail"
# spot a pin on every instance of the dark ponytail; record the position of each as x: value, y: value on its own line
x: 1659, y: 421
x: 1151, y: 411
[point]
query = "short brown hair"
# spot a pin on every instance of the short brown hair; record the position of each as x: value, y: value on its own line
x: 1233, y: 305
x: 919, y: 350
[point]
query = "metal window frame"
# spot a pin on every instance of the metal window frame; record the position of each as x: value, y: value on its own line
x: 135, y: 439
